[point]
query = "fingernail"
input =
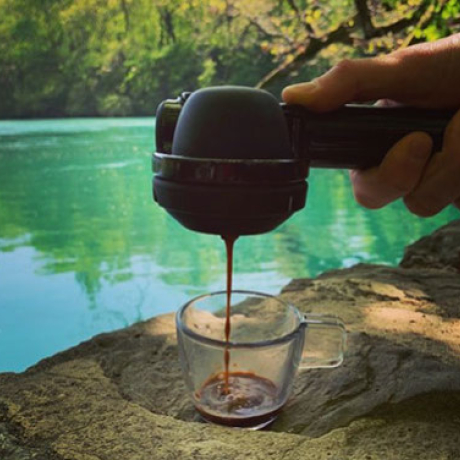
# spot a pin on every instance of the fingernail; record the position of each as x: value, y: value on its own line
x: 300, y: 91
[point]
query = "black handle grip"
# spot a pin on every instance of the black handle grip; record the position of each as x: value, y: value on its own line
x: 359, y: 136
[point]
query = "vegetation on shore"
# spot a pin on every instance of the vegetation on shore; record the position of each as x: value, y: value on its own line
x: 121, y: 57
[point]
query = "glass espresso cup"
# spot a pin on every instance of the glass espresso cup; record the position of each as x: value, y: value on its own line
x: 269, y: 341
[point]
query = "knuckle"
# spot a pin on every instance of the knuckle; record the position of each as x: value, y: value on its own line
x: 346, y: 70
x: 345, y: 65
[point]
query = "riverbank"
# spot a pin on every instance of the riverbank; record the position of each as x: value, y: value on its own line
x: 121, y: 396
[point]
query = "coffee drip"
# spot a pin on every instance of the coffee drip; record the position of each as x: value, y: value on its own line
x: 229, y: 245
x: 236, y: 398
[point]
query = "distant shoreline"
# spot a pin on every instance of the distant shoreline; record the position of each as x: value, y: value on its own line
x: 71, y: 117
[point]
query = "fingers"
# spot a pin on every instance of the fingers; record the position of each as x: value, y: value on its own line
x: 424, y: 75
x: 440, y: 183
x: 350, y: 80
x: 426, y: 184
x: 397, y: 176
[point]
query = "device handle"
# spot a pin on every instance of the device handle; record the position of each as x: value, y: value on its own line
x: 358, y: 136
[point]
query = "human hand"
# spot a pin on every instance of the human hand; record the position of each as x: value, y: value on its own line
x: 425, y: 75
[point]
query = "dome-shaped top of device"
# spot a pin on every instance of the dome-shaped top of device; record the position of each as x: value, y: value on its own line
x: 232, y: 122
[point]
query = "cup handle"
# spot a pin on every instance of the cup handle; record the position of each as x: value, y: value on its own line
x: 325, y: 340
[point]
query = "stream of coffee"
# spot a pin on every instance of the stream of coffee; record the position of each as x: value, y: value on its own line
x: 239, y: 398
x: 229, y: 243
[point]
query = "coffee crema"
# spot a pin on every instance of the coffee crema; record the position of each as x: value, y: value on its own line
x: 239, y: 399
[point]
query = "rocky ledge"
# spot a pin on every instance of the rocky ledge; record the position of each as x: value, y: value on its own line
x: 121, y: 396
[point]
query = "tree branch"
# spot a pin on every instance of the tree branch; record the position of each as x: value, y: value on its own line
x: 423, y: 20
x: 124, y: 8
x: 404, y: 23
x: 268, y: 34
x: 365, y: 19
x: 295, y: 8
x: 339, y: 35
x: 342, y: 34
x: 300, y: 17
x: 168, y: 23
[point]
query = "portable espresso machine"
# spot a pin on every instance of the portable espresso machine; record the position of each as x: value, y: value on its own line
x: 233, y: 161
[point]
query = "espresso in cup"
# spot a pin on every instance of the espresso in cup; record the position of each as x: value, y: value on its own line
x: 249, y: 401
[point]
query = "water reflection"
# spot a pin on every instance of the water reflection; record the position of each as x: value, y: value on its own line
x: 76, y: 216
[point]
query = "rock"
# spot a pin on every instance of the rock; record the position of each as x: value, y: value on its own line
x: 397, y: 395
x: 439, y: 250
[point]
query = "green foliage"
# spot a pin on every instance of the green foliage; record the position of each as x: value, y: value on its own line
x: 446, y: 14
x: 121, y: 57
x: 208, y: 74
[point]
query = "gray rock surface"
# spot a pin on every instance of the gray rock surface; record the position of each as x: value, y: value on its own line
x: 397, y: 396
x: 439, y: 250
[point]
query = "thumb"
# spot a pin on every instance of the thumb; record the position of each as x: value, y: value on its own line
x: 351, y: 80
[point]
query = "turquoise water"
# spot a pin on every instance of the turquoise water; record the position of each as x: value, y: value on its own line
x: 84, y: 249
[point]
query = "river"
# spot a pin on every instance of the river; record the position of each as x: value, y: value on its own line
x: 84, y: 249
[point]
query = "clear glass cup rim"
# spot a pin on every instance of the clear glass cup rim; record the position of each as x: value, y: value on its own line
x: 221, y: 343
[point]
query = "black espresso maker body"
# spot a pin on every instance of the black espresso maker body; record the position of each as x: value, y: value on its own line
x: 231, y: 160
